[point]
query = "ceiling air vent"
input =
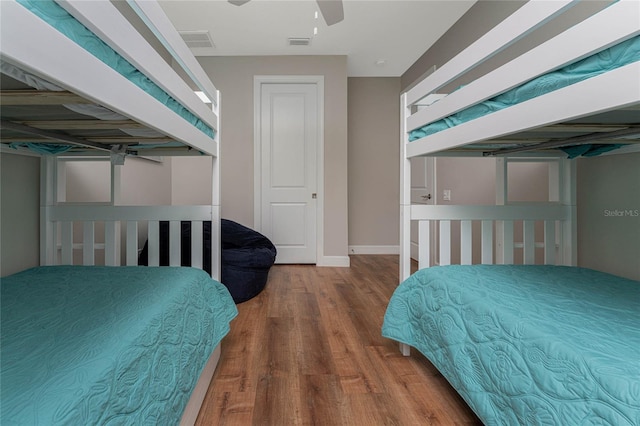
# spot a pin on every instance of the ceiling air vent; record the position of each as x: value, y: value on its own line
x: 197, y: 39
x: 293, y: 41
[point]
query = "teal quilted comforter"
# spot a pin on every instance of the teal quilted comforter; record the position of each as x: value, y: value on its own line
x: 527, y: 345
x: 106, y: 345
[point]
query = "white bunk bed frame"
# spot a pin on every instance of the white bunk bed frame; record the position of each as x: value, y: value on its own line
x: 57, y: 61
x: 619, y: 88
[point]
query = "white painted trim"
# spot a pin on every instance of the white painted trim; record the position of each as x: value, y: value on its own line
x: 334, y: 261
x: 318, y: 80
x: 374, y: 249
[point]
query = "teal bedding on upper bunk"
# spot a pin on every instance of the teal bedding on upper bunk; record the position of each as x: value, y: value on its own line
x: 614, y: 57
x: 527, y: 345
x: 88, y: 345
x: 60, y: 19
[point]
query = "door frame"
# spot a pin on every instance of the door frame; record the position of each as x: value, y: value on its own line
x: 258, y: 81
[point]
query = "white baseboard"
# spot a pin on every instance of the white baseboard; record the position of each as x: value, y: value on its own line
x: 336, y: 261
x: 374, y: 249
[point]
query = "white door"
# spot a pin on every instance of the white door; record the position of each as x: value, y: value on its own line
x: 288, y: 138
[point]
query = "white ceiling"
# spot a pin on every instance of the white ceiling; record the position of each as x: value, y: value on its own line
x: 397, y: 32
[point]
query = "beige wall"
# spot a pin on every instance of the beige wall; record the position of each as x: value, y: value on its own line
x: 609, y: 214
x: 19, y: 213
x: 234, y: 76
x: 191, y: 181
x: 374, y: 161
x: 470, y: 180
x: 146, y: 183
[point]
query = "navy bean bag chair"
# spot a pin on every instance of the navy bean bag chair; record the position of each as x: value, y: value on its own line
x: 247, y: 257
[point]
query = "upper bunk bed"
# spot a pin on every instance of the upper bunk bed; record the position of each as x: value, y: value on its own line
x: 98, y: 81
x: 575, y: 94
x: 511, y: 368
x: 102, y: 78
x: 579, y: 88
x: 108, y: 80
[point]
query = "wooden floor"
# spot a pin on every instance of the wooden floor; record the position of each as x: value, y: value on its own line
x: 308, y: 351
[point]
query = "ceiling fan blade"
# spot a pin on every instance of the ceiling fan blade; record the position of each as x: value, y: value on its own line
x: 238, y: 2
x: 332, y: 11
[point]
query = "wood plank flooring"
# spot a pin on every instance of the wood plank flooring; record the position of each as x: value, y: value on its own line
x: 308, y: 351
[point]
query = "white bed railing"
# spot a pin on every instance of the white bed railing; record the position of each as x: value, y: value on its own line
x: 497, y: 236
x: 615, y: 89
x: 63, y: 219
x: 116, y: 233
x: 24, y: 35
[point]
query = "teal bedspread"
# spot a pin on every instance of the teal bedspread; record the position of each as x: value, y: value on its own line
x: 614, y: 57
x: 527, y: 345
x: 106, y: 345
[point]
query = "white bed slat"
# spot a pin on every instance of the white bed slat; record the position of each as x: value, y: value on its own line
x: 465, y: 242
x: 445, y: 242
x: 487, y: 242
x: 153, y: 244
x: 110, y: 250
x: 196, y: 243
x: 424, y: 246
x: 547, y: 57
x: 507, y: 242
x: 549, y: 242
x: 405, y: 242
x: 132, y: 243
x: 529, y: 17
x: 174, y: 242
x: 66, y: 238
x: 529, y: 246
x: 88, y: 242
x: 216, y: 243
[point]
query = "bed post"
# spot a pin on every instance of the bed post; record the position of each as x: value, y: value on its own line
x: 569, y: 227
x: 405, y: 195
x: 405, y: 202
x: 216, y: 237
x: 501, y: 200
x: 48, y: 183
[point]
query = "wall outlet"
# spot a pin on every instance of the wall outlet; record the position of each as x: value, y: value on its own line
x: 446, y: 195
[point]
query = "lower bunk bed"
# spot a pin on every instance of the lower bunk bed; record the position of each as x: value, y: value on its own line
x: 104, y: 344
x: 527, y: 344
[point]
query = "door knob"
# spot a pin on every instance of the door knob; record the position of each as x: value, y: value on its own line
x: 314, y: 195
x: 426, y: 197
